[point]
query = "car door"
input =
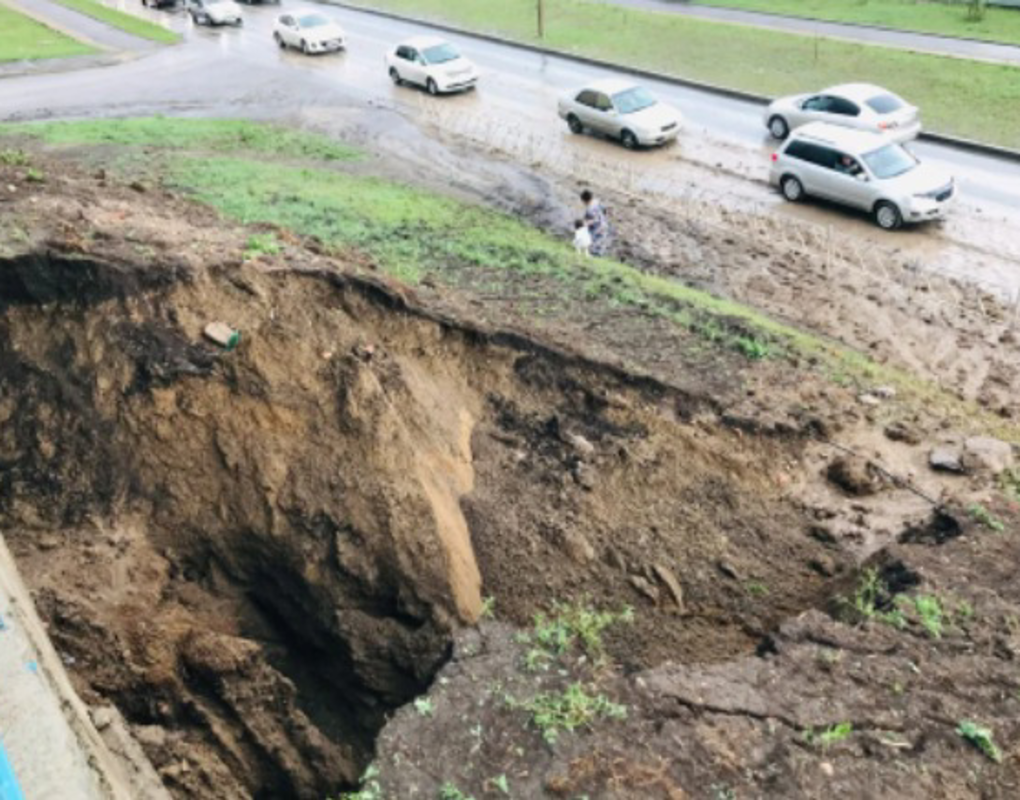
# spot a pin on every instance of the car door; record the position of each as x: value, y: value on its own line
x: 608, y: 119
x: 816, y: 168
x: 850, y: 182
x: 413, y: 68
x: 287, y: 30
x: 584, y: 107
x: 815, y: 109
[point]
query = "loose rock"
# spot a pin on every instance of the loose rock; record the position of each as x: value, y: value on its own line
x: 946, y: 459
x: 644, y: 587
x: 985, y: 454
x: 855, y: 475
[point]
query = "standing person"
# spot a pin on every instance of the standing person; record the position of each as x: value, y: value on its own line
x: 597, y: 220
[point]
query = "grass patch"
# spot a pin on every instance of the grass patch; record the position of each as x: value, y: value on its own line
x: 262, y: 173
x: 573, y: 708
x: 981, y: 738
x: 128, y: 23
x: 983, y: 516
x: 957, y: 96
x: 22, y: 38
x: 944, y: 19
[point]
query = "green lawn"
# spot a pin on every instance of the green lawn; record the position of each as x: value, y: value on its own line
x: 23, y: 38
x: 947, y: 19
x: 961, y: 97
x: 120, y: 19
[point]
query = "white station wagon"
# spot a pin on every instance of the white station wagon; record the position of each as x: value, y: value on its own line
x: 863, y: 170
x: 852, y: 105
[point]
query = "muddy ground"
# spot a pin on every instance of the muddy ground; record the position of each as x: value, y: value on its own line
x: 258, y: 554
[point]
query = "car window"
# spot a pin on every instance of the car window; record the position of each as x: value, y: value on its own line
x: 602, y: 102
x: 819, y: 102
x: 890, y: 161
x: 587, y: 98
x: 848, y: 165
x: 812, y: 153
x: 633, y: 100
x: 312, y: 21
x: 440, y: 54
x: 844, y: 107
x: 885, y: 103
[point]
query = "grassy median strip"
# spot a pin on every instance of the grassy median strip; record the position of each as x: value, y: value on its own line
x: 257, y: 173
x: 944, y: 19
x: 128, y: 23
x: 22, y: 38
x: 957, y: 96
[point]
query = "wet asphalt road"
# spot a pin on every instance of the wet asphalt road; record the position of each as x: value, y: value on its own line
x: 227, y: 70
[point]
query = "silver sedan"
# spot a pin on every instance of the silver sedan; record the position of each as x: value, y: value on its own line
x: 622, y: 110
x: 851, y: 105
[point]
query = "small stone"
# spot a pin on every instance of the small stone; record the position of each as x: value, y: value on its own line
x: 946, y: 459
x: 149, y: 735
x: 102, y: 718
x: 584, y: 476
x: 580, y: 444
x: 869, y: 399
x: 986, y: 454
x: 884, y: 392
x: 827, y: 768
x: 577, y: 547
x: 727, y: 569
x: 902, y: 432
x: 824, y: 565
x: 644, y: 587
x: 138, y: 186
x: 665, y: 574
x: 854, y: 475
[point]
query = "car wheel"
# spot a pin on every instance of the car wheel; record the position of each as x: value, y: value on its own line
x: 238, y: 22
x: 431, y: 87
x: 888, y: 216
x: 395, y: 76
x: 304, y: 47
x: 792, y: 188
x: 574, y: 124
x: 629, y: 140
x: 279, y: 41
x: 778, y: 128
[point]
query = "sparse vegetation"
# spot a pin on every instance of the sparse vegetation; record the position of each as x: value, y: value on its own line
x: 573, y: 708
x: 449, y: 791
x: 827, y: 737
x: 424, y: 706
x: 370, y: 787
x: 981, y: 738
x: 1009, y: 483
x: 261, y: 244
x: 982, y: 515
x: 14, y: 158
x: 872, y: 600
x: 575, y: 624
x: 929, y: 609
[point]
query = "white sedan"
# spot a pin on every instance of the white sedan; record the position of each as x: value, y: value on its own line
x: 622, y: 110
x: 309, y: 31
x: 432, y: 63
x: 215, y: 12
x: 852, y: 105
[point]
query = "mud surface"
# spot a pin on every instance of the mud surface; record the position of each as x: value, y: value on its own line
x: 255, y: 554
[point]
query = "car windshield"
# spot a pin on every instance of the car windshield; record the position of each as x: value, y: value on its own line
x: 889, y: 161
x: 885, y: 103
x: 633, y: 100
x: 440, y: 54
x: 312, y: 21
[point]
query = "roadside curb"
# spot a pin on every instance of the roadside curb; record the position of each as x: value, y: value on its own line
x: 960, y: 143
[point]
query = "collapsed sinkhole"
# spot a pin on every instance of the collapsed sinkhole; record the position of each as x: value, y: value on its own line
x: 257, y: 554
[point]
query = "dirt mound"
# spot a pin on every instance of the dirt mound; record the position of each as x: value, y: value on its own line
x: 256, y: 554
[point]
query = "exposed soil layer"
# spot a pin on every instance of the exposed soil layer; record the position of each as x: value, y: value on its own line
x: 255, y: 554
x: 836, y: 706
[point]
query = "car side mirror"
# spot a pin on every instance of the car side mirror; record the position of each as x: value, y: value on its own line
x: 862, y: 177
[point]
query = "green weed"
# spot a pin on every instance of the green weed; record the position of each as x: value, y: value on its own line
x: 370, y: 787
x: 827, y: 737
x: 575, y: 624
x: 754, y: 349
x: 424, y: 706
x: 261, y: 244
x: 573, y: 708
x: 981, y: 738
x: 982, y: 515
x: 929, y: 609
x: 449, y: 791
x: 14, y: 158
x: 501, y: 783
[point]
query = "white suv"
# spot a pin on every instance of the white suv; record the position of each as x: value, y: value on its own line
x: 861, y: 169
